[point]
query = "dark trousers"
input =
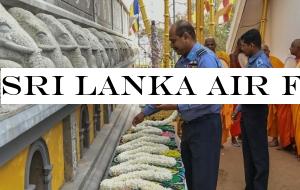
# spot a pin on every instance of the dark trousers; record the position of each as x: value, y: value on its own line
x: 200, y: 149
x: 255, y: 146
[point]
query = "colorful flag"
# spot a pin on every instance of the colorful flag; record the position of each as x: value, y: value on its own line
x: 226, y: 16
x: 134, y: 12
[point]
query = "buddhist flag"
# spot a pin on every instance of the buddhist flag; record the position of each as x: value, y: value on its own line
x: 134, y: 12
x: 226, y: 15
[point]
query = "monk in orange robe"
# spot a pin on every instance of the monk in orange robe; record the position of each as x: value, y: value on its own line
x: 296, y: 121
x: 288, y: 114
x: 226, y: 111
x: 272, y: 117
x: 285, y: 125
x: 295, y: 109
x: 235, y: 130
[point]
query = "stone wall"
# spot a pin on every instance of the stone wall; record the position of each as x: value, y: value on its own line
x: 108, y: 13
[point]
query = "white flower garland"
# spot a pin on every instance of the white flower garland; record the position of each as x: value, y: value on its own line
x: 136, y: 144
x: 171, y: 118
x: 154, y: 139
x: 141, y: 127
x: 128, y: 155
x: 138, y: 164
x: 150, y: 175
x: 146, y: 149
x: 157, y: 160
x: 123, y: 169
x: 142, y: 133
x: 130, y: 184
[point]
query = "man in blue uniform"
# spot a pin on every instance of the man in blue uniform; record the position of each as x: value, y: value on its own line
x: 201, y: 130
x: 254, y: 121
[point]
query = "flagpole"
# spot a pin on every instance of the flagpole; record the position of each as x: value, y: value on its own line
x: 166, y: 60
x: 139, y: 41
x: 212, y: 18
x: 145, y: 18
x: 189, y: 11
x: 200, y: 20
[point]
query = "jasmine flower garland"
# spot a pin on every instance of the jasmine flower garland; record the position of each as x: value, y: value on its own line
x: 136, y: 144
x: 130, y: 184
x: 123, y: 169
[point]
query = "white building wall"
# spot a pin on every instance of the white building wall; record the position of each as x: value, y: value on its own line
x: 283, y: 26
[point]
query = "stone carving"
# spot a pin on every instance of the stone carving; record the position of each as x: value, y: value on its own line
x: 9, y: 64
x: 83, y: 5
x: 103, y: 10
x: 115, y: 54
x: 66, y: 41
x: 117, y: 15
x: 130, y: 50
x: 81, y: 40
x: 126, y: 51
x: 121, y: 49
x: 16, y: 45
x: 42, y: 36
x: 97, y: 49
x: 108, y: 48
x: 6, y: 108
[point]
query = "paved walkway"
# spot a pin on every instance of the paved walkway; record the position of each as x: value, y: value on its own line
x: 284, y: 170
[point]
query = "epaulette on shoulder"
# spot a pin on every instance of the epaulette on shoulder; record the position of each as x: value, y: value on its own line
x: 201, y: 52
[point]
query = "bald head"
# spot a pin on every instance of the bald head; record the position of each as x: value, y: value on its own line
x: 182, y: 27
x: 182, y: 37
x: 210, y: 43
x: 295, y: 48
x: 266, y: 49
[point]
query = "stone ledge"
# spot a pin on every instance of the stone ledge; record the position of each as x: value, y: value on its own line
x: 92, y: 168
x: 22, y: 121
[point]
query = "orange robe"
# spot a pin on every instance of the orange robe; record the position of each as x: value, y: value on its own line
x: 235, y: 129
x: 273, y: 115
x: 296, y: 119
x: 224, y: 58
x: 226, y: 121
x: 285, y: 124
x: 296, y: 122
x: 273, y: 121
x: 276, y: 63
x: 227, y: 108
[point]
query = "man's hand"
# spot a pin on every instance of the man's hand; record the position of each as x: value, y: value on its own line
x: 139, y: 118
x: 166, y: 106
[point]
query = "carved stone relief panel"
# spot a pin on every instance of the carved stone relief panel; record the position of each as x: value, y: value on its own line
x: 17, y: 46
x: 40, y: 33
x: 117, y: 16
x: 103, y: 12
x: 83, y: 5
x: 67, y: 43
x: 125, y: 21
x: 82, y: 41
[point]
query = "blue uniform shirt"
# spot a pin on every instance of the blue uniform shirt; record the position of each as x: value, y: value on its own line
x: 259, y: 60
x: 199, y: 57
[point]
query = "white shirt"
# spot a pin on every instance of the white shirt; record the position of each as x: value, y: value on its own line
x: 243, y: 60
x: 290, y: 62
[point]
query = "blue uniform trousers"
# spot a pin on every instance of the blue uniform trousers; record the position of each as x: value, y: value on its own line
x: 200, y: 149
x: 255, y: 146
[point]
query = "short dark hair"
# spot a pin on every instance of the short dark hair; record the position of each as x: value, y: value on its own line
x: 183, y: 26
x: 252, y: 36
